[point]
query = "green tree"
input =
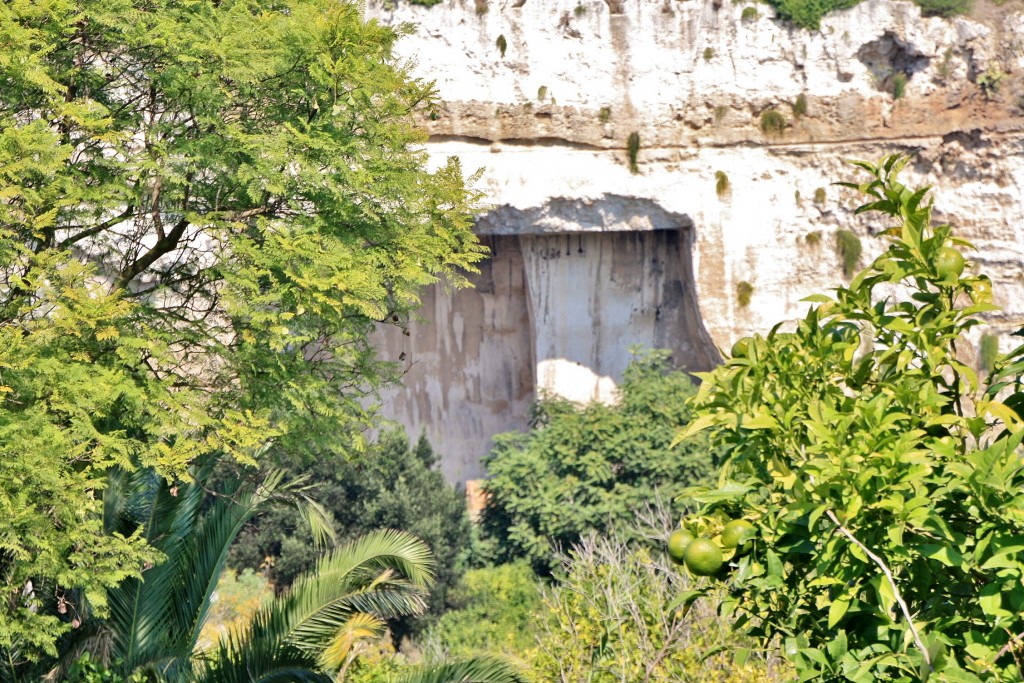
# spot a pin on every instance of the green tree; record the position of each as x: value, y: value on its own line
x: 392, y: 486
x: 583, y: 468
x: 882, y: 476
x: 204, y: 208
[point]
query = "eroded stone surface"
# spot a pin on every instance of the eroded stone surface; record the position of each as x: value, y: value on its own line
x: 548, y: 121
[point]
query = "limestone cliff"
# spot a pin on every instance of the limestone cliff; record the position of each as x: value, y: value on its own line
x: 743, y: 122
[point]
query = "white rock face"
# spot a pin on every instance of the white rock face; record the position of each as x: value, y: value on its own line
x: 548, y: 123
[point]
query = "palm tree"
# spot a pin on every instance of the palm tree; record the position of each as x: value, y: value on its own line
x: 151, y: 630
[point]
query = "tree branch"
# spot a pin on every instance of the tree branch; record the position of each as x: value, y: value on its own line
x: 164, y: 245
x: 892, y: 583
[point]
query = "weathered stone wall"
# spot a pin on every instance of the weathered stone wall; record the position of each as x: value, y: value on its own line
x: 607, y: 258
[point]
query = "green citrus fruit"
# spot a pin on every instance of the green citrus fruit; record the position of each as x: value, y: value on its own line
x: 737, y: 531
x: 949, y: 264
x: 678, y: 541
x: 703, y: 557
x: 981, y: 292
x: 741, y: 347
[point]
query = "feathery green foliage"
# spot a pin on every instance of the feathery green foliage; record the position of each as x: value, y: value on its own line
x: 721, y: 184
x: 207, y: 206
x: 773, y: 123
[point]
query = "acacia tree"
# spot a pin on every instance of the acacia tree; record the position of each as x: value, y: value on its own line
x: 204, y: 208
x: 882, y: 475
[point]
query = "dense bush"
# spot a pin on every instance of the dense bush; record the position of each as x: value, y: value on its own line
x: 494, y: 610
x: 391, y: 486
x: 583, y: 468
x: 808, y: 13
x: 883, y: 478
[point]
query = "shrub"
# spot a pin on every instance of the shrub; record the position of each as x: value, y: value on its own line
x: 848, y: 247
x: 542, y: 93
x: 813, y: 238
x: 820, y: 196
x: 709, y: 54
x: 988, y: 352
x: 773, y: 123
x: 502, y: 44
x: 744, y: 290
x: 632, y: 149
x: 624, y: 611
x: 721, y: 184
x: 579, y: 10
x: 797, y: 198
x: 808, y: 13
x: 493, y: 611
x: 393, y: 485
x: 589, y: 468
x: 899, y: 85
x: 604, y: 115
x: 944, y: 8
x: 720, y: 113
x: 480, y: 6
x: 749, y: 14
x: 800, y: 106
x: 882, y: 478
x: 990, y: 80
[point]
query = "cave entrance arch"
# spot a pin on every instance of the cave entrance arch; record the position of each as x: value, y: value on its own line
x: 570, y: 288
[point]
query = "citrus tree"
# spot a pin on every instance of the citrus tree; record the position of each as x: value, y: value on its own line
x: 882, y: 477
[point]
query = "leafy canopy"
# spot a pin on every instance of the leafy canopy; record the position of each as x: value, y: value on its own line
x: 882, y: 474
x: 592, y: 467
x: 204, y: 208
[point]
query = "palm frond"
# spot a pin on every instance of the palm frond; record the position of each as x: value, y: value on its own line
x: 359, y: 627
x: 474, y: 670
x: 383, y: 574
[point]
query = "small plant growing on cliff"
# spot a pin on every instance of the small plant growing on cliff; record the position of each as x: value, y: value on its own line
x: 632, y: 149
x: 990, y: 80
x: 709, y: 54
x: 848, y: 247
x: 773, y: 123
x: 743, y: 292
x: 749, y: 14
x: 797, y: 198
x: 899, y: 85
x: 604, y: 115
x: 813, y: 239
x: 481, y: 7
x: 800, y: 106
x: 579, y: 11
x: 542, y: 93
x: 502, y: 44
x: 720, y: 113
x: 721, y: 184
x: 988, y: 352
x: 819, y: 196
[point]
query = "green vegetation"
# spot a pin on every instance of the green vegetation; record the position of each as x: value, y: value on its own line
x: 749, y: 14
x: 881, y: 475
x: 721, y: 184
x: 632, y: 149
x: 988, y: 352
x: 773, y: 123
x: 808, y: 13
x: 604, y: 115
x: 990, y: 80
x: 800, y: 106
x: 590, y: 468
x: 493, y: 610
x: 579, y: 11
x: 542, y: 93
x: 820, y: 196
x: 481, y: 7
x: 196, y: 239
x: 720, y: 113
x: 390, y: 486
x: 813, y: 238
x: 709, y: 54
x: 848, y: 247
x: 797, y: 198
x: 501, y: 44
x: 624, y: 612
x: 899, y: 85
x: 744, y: 290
